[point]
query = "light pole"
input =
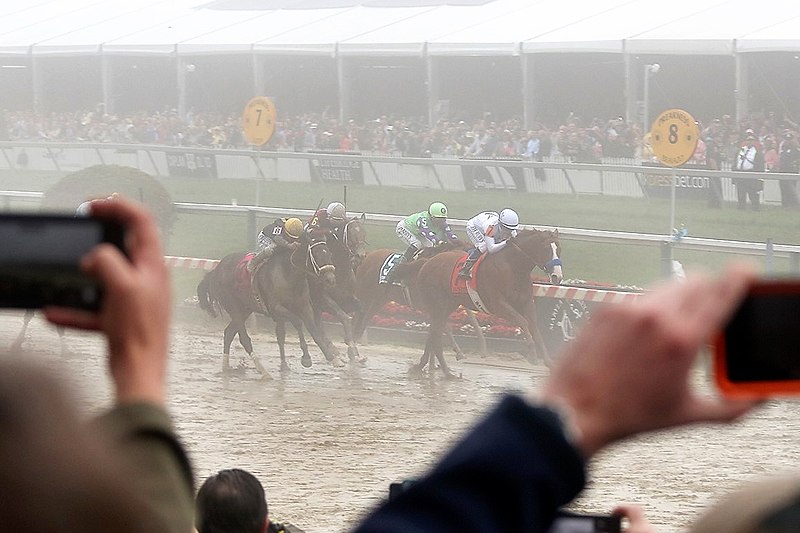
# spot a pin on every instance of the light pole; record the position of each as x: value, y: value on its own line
x: 649, y: 70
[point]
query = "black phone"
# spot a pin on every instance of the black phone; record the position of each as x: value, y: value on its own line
x: 568, y: 522
x: 40, y: 259
x: 757, y: 354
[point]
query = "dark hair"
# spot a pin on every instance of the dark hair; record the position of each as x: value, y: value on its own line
x: 231, y: 501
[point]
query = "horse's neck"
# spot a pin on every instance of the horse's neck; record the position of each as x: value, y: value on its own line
x: 519, y: 259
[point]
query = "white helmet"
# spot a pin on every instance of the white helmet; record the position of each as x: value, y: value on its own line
x: 509, y: 219
x: 336, y: 211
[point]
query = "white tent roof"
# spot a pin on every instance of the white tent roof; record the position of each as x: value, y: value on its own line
x: 407, y: 27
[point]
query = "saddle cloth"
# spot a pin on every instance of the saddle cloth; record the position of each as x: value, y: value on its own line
x: 242, y: 279
x: 390, y: 262
x: 459, y: 285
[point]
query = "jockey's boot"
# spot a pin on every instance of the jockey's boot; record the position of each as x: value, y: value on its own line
x: 466, y: 270
x: 409, y: 254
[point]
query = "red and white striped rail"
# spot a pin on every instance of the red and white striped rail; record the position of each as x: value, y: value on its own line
x: 190, y: 262
x: 565, y: 292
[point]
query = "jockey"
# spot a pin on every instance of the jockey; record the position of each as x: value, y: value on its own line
x: 425, y: 229
x: 328, y: 218
x: 283, y: 233
x: 489, y: 232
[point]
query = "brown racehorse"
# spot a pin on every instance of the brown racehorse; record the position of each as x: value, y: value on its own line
x: 347, y: 245
x: 503, y: 284
x: 282, y: 283
x: 373, y: 295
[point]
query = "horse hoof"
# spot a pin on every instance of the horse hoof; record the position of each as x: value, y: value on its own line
x: 460, y: 356
x: 337, y: 362
x: 284, y: 367
x: 306, y: 361
x: 266, y: 376
x: 352, y: 352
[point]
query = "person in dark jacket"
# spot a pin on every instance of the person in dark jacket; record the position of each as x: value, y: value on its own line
x: 749, y: 159
x: 628, y: 372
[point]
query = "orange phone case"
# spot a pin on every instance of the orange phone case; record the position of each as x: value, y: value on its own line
x: 756, y: 389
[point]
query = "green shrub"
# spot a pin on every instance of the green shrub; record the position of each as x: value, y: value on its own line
x: 100, y: 181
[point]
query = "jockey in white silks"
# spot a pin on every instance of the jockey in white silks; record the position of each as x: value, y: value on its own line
x: 489, y: 232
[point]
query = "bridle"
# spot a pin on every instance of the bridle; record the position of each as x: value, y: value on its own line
x: 311, y: 260
x: 548, y: 266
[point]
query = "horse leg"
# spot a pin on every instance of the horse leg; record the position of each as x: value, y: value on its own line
x: 456, y: 348
x: 247, y: 344
x: 17, y: 344
x: 536, y: 335
x: 230, y: 332
x: 437, y: 326
x: 329, y: 350
x: 347, y: 325
x: 426, y: 357
x: 364, y: 316
x: 280, y: 335
x: 284, y: 314
x: 507, y: 311
x: 473, y: 320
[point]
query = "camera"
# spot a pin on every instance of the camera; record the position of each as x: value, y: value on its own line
x: 568, y: 522
x: 757, y: 355
x: 40, y: 259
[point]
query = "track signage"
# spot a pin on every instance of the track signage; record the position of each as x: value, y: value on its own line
x: 258, y: 120
x: 674, y: 136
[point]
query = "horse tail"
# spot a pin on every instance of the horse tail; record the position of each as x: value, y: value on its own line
x: 204, y: 297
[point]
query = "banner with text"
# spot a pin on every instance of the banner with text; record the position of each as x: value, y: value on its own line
x: 333, y: 170
x: 686, y: 185
x: 192, y: 164
x: 493, y: 177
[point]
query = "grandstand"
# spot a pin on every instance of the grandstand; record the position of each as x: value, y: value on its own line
x: 536, y: 59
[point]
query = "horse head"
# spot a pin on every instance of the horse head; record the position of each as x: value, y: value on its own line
x: 543, y: 249
x: 318, y: 257
x: 354, y: 238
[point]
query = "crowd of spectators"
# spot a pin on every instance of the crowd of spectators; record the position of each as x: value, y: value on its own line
x: 575, y: 139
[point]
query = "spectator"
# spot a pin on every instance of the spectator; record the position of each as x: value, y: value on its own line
x: 231, y: 501
x: 749, y: 159
x: 789, y: 163
x: 128, y: 473
x: 627, y: 373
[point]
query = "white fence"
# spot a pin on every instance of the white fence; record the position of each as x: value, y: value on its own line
x: 614, y: 177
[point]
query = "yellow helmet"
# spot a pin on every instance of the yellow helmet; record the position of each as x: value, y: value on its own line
x: 293, y: 227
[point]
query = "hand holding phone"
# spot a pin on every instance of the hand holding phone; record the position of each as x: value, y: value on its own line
x: 757, y: 355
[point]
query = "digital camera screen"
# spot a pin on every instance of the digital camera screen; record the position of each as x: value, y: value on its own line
x: 47, y: 241
x: 762, y: 340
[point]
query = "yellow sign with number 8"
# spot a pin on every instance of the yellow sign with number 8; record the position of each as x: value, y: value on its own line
x: 674, y: 136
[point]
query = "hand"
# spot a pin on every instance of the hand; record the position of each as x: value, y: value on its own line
x: 136, y: 308
x: 628, y: 371
x: 637, y: 522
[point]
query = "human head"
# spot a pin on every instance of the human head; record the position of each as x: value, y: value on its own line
x: 437, y: 210
x: 336, y: 211
x: 231, y: 501
x: 293, y: 227
x: 509, y: 219
x: 750, y: 139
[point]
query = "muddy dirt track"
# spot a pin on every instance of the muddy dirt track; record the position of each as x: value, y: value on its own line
x: 327, y: 442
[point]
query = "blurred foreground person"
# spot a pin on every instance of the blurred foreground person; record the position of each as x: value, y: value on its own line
x: 127, y: 472
x: 628, y: 372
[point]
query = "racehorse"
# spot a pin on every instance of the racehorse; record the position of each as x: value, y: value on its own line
x: 502, y: 283
x: 374, y: 295
x: 281, y: 283
x: 347, y: 244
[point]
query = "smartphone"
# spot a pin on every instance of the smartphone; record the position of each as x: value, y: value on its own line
x: 567, y: 522
x: 757, y: 355
x: 40, y: 259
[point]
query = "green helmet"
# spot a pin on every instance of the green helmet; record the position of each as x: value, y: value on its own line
x: 437, y: 210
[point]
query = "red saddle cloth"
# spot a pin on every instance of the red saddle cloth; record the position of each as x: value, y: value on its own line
x: 242, y: 279
x: 458, y: 285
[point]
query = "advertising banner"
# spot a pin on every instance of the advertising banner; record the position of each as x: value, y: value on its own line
x: 192, y: 164
x: 493, y: 177
x: 333, y: 170
x: 686, y: 185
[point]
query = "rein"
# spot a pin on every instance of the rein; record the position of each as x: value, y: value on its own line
x: 547, y: 267
x: 310, y: 259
